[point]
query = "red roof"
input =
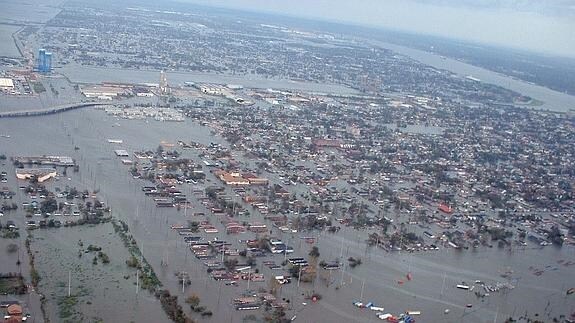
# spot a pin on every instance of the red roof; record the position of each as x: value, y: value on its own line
x: 445, y: 208
x: 327, y: 142
x: 14, y: 309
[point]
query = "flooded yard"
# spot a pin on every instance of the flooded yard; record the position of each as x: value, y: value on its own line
x: 99, y: 291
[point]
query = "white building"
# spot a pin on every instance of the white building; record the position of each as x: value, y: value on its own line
x: 6, y: 84
x: 42, y: 174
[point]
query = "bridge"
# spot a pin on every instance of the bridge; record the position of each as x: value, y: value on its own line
x: 51, y: 110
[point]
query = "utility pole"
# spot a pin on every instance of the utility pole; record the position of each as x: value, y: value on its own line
x: 362, y: 286
x: 342, y: 272
x: 249, y: 278
x: 443, y: 285
x: 183, y: 282
x: 137, y: 281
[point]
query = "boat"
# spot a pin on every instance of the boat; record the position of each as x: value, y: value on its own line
x: 386, y: 316
x: 472, y: 78
x: 367, y: 305
x: 461, y: 286
x: 309, y: 240
x: 571, y: 291
x: 247, y: 307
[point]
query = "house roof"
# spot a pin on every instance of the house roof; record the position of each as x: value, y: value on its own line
x: 14, y: 309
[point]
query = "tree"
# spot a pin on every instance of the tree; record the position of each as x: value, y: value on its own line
x: 314, y: 252
x: 49, y: 205
x: 12, y: 248
x: 72, y: 193
x: 353, y: 262
x: 556, y: 236
x: 193, y: 300
x: 230, y: 264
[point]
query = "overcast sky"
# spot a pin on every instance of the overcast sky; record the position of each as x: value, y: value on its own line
x: 546, y: 26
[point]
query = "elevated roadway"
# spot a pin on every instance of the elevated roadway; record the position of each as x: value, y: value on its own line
x: 50, y: 110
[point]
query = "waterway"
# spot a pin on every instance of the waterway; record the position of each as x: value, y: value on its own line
x: 552, y: 100
x: 8, y: 47
x: 28, y: 11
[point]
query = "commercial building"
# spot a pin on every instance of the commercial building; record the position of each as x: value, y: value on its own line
x: 44, y: 61
x: 6, y: 84
x: 121, y: 153
x: 41, y: 59
x: 231, y: 178
x: 102, y: 91
x: 42, y: 174
x: 48, y: 62
x: 46, y: 160
x: 235, y: 178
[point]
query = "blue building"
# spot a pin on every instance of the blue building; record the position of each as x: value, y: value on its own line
x: 44, y: 61
x: 48, y: 63
x: 41, y: 59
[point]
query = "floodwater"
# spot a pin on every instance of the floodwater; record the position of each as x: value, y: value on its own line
x: 102, y: 291
x: 9, y: 263
x: 8, y: 47
x: 100, y: 169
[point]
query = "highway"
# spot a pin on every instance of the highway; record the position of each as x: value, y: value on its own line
x: 50, y: 110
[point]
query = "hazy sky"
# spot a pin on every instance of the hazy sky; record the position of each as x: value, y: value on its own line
x: 546, y: 26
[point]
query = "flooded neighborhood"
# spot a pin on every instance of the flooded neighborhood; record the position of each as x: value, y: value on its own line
x: 224, y: 166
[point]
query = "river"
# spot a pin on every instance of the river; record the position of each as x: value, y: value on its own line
x: 552, y: 100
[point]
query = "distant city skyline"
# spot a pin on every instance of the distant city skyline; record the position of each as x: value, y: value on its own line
x: 541, y: 26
